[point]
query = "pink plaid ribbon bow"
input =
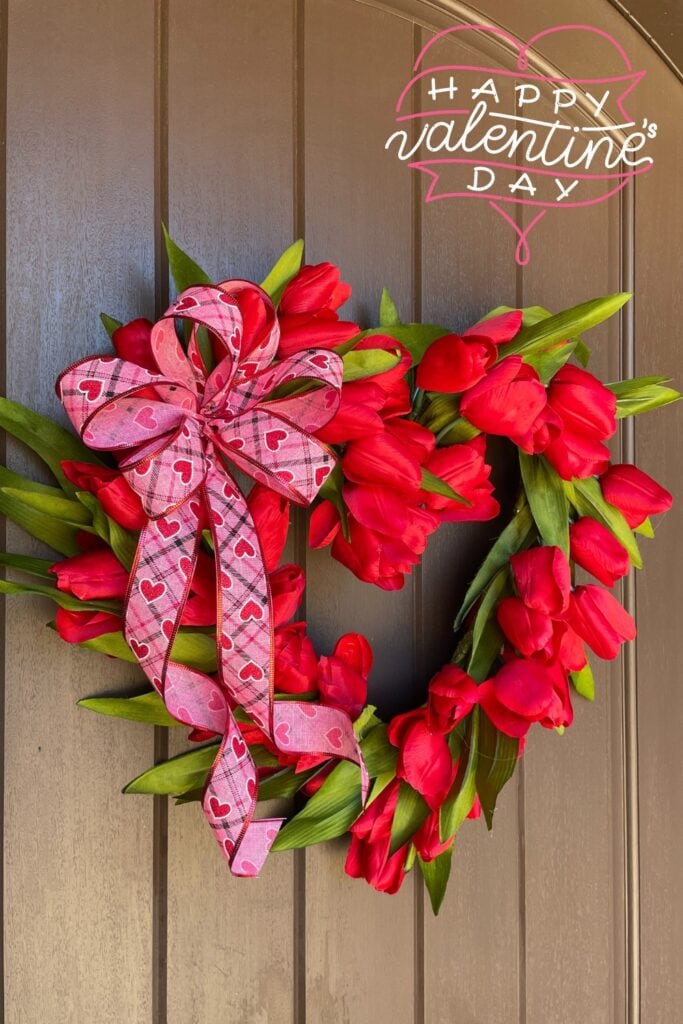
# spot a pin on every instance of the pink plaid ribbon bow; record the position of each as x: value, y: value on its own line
x: 175, y: 441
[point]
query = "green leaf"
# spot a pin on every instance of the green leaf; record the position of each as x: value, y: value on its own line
x: 584, y: 682
x: 435, y: 485
x: 328, y: 814
x: 57, y: 535
x: 67, y: 601
x: 32, y: 566
x: 283, y: 785
x: 55, y: 507
x: 388, y: 313
x: 147, y: 707
x: 487, y: 637
x: 331, y: 490
x: 566, y: 325
x: 547, y: 499
x: 110, y: 324
x: 497, y: 761
x: 640, y: 394
x: 368, y: 363
x: 184, y: 271
x: 587, y: 499
x: 410, y: 814
x: 196, y: 650
x: 460, y: 800
x: 517, y: 534
x: 548, y: 362
x: 52, y: 443
x: 22, y: 483
x: 378, y: 753
x: 284, y: 270
x: 646, y: 529
x: 416, y: 337
x: 180, y: 774
x: 436, y: 874
x: 457, y: 432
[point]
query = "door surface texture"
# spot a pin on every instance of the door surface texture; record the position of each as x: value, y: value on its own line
x: 244, y: 124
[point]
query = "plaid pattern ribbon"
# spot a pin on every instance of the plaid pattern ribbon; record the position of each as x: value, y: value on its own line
x: 175, y: 433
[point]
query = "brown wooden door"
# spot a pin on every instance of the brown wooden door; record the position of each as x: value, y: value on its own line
x: 243, y: 125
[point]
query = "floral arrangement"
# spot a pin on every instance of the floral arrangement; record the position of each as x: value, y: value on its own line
x: 170, y: 515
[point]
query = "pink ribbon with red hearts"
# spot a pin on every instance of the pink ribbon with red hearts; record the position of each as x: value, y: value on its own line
x: 174, y: 432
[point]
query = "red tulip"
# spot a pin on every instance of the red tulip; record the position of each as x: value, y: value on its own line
x: 386, y: 513
x: 424, y: 759
x: 287, y: 586
x: 527, y: 629
x: 453, y: 364
x: 296, y: 664
x: 111, y: 489
x: 597, y: 550
x: 132, y: 342
x: 77, y: 627
x: 314, y: 287
x: 377, y: 558
x: 587, y: 410
x: 343, y: 677
x: 521, y: 693
x: 415, y: 440
x: 92, y: 575
x: 358, y: 413
x: 507, y: 401
x: 427, y: 839
x: 543, y: 579
x: 323, y: 525
x: 545, y: 429
x: 634, y: 493
x: 497, y: 329
x: 452, y: 695
x: 599, y: 619
x: 382, y: 460
x: 270, y: 512
x: 315, y: 330
x: 462, y: 466
x: 397, y: 401
x: 368, y: 855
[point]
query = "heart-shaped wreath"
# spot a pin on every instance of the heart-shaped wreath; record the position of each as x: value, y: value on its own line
x: 165, y: 561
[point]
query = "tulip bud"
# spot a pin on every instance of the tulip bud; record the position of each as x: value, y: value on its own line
x: 543, y: 579
x: 600, y: 620
x: 634, y: 493
x: 597, y: 550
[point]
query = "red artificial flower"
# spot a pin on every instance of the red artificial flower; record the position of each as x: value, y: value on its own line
x: 453, y: 364
x: 415, y: 440
x: 599, y: 619
x: 523, y: 692
x: 587, y: 410
x: 368, y: 855
x: 287, y: 586
x: 424, y: 759
x: 296, y: 664
x: 92, y: 575
x: 546, y: 428
x: 375, y: 556
x: 397, y: 400
x: 270, y: 512
x: 506, y: 401
x: 543, y: 579
x: 634, y: 493
x: 463, y: 467
x: 452, y: 695
x: 324, y: 524
x: 307, y: 312
x: 427, y: 839
x: 527, y: 629
x: 77, y: 627
x: 597, y: 550
x: 358, y: 413
x: 381, y: 460
x: 314, y: 287
x: 111, y: 489
x: 497, y: 329
x: 343, y: 677
x: 132, y: 342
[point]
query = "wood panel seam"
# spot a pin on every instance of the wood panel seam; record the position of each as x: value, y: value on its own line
x: 4, y: 19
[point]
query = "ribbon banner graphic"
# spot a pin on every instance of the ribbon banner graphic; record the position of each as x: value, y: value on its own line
x: 516, y: 138
x: 175, y: 433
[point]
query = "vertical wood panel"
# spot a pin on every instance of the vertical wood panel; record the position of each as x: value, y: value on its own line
x: 80, y: 199
x: 357, y: 206
x: 468, y: 268
x: 658, y: 314
x: 230, y: 941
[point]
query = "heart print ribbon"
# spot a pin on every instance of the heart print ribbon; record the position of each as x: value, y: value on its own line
x: 175, y: 432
